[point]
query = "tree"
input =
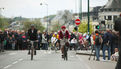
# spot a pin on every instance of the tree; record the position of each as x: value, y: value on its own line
x: 4, y: 23
x: 36, y: 22
x: 83, y: 27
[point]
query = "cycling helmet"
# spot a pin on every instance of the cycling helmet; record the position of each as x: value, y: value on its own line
x: 63, y: 27
x: 32, y: 25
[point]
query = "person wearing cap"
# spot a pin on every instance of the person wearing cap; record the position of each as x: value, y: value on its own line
x: 32, y: 36
x: 64, y: 36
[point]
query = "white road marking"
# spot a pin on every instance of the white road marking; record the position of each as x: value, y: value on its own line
x: 20, y: 59
x: 15, y: 62
x: 7, y: 66
x: 87, y: 67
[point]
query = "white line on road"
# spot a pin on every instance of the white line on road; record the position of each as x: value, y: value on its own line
x: 7, y: 66
x: 13, y: 64
x: 20, y: 59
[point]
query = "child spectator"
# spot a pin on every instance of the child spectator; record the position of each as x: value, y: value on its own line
x: 115, y: 56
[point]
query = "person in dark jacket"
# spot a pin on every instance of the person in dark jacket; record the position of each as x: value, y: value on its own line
x: 1, y: 41
x: 107, y: 44
x: 32, y: 36
x: 117, y: 27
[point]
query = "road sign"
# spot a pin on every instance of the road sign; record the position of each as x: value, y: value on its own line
x: 77, y: 21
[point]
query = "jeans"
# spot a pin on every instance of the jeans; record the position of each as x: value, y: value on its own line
x: 45, y: 46
x: 97, y: 50
x: 108, y: 48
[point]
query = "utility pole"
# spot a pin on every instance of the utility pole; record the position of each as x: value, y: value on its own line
x: 47, y: 15
x: 80, y: 8
x: 88, y: 17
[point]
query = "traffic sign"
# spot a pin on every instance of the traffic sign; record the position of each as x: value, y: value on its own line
x: 77, y: 21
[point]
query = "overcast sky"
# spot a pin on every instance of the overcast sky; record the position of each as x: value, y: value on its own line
x: 32, y: 8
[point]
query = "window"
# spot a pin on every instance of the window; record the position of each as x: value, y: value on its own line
x: 115, y: 17
x: 109, y: 17
x: 110, y: 9
x: 104, y: 17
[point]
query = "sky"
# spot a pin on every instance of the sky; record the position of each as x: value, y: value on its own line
x: 33, y: 9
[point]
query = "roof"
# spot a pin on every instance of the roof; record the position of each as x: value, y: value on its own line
x: 113, y: 4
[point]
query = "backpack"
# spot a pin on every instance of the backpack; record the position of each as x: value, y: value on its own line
x: 97, y: 40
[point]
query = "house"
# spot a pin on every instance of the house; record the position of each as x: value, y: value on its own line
x: 109, y: 13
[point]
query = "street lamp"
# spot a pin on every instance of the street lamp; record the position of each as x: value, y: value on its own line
x: 1, y: 10
x: 47, y: 13
x: 80, y: 13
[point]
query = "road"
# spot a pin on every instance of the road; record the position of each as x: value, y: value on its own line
x: 49, y: 60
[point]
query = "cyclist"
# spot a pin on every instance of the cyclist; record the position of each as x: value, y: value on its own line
x: 32, y: 36
x: 64, y: 36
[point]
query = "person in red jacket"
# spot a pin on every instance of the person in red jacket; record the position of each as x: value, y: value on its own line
x: 64, y: 36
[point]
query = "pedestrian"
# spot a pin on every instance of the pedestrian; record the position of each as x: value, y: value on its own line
x: 107, y: 45
x: 2, y: 41
x: 98, y: 40
x: 13, y: 42
x: 115, y: 56
x: 117, y: 27
x: 24, y: 41
x: 39, y: 35
x: 74, y: 44
x: 72, y: 36
x: 44, y: 41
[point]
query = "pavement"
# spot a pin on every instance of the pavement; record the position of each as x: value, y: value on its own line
x: 50, y: 60
x: 88, y: 52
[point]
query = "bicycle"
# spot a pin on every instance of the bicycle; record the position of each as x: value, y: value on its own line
x: 64, y: 48
x: 65, y: 54
x: 56, y: 47
x: 32, y: 49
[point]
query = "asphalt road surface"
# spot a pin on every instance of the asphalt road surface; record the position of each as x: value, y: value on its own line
x: 49, y: 60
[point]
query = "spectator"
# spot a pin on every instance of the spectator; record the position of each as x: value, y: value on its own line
x: 74, y: 44
x: 97, y: 38
x: 13, y: 42
x: 44, y: 41
x: 115, y: 56
x: 107, y: 44
x: 39, y: 39
x: 24, y: 41
x: 1, y: 41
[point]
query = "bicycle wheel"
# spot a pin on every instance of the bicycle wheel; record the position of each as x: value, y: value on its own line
x: 32, y: 52
x: 65, y: 53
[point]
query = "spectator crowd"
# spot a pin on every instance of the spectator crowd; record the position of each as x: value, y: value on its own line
x: 108, y: 40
